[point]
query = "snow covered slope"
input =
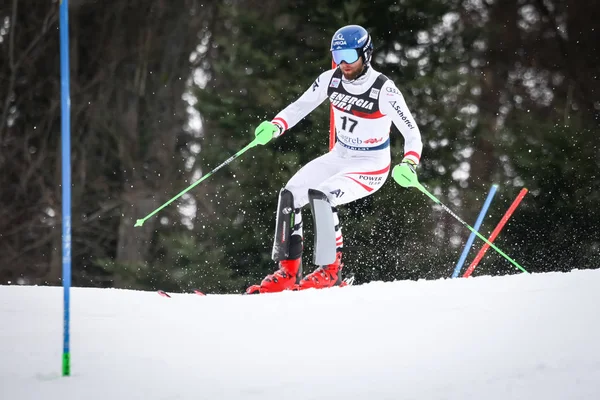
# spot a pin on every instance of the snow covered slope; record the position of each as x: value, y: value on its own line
x: 515, y: 337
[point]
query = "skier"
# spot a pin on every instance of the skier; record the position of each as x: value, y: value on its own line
x: 365, y: 103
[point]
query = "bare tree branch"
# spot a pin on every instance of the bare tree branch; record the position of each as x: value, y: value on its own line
x: 50, y: 18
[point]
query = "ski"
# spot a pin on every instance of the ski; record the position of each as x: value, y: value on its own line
x: 346, y: 282
x: 165, y: 294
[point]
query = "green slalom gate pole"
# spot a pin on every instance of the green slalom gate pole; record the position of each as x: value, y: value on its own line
x: 406, y: 178
x: 262, y: 138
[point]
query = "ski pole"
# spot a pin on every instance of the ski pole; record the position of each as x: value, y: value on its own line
x: 261, y: 138
x: 406, y: 178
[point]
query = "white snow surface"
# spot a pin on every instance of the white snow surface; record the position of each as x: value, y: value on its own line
x: 529, y: 336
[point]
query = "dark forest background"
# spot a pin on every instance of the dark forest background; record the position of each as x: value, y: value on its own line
x: 505, y: 92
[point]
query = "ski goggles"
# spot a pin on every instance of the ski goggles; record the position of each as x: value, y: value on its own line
x: 348, y: 55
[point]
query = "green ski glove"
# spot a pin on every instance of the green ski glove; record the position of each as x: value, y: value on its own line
x: 267, y: 131
x: 405, y: 173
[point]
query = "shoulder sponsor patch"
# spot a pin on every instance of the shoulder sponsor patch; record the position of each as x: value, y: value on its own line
x: 315, y: 85
x: 392, y: 91
x: 374, y: 93
x: 335, y: 82
x: 401, y: 114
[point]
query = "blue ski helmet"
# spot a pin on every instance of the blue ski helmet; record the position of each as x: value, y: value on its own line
x: 351, y: 42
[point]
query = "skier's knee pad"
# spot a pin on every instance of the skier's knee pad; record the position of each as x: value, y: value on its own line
x: 285, y: 245
x: 324, y: 227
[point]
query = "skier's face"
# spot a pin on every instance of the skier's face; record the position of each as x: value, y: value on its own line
x: 351, y: 71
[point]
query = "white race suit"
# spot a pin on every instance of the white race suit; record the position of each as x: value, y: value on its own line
x: 359, y: 163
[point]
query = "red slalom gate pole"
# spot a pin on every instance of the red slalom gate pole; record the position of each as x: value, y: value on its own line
x: 331, y: 119
x: 495, y: 233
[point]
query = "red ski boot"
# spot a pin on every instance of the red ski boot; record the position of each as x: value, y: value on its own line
x: 325, y: 276
x: 288, y: 275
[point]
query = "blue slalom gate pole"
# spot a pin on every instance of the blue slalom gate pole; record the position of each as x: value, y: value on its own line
x: 469, y: 243
x: 65, y: 98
